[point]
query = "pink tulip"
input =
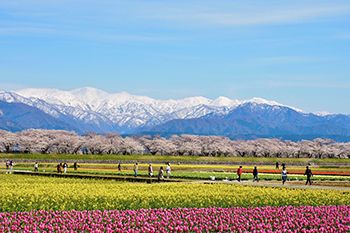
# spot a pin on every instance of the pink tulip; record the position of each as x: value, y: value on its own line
x: 262, y: 219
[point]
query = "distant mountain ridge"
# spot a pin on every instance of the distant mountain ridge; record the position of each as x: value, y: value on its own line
x: 89, y: 109
x: 130, y: 111
x: 251, y: 120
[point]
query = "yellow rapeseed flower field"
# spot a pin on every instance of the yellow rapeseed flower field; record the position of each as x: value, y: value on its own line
x: 25, y: 193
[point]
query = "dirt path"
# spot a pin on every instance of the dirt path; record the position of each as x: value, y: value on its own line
x: 290, y: 184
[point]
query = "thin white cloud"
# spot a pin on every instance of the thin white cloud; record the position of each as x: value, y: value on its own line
x: 124, y: 37
x: 225, y: 13
x: 135, y: 20
x: 258, y: 18
x: 25, y: 30
x: 254, y: 15
x: 288, y: 81
x: 93, y: 35
x: 289, y: 59
x: 308, y: 84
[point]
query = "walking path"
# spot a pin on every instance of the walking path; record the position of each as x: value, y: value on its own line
x: 95, y: 176
x: 276, y: 184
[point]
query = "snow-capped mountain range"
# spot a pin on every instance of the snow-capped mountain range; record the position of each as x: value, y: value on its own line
x: 124, y: 109
x: 89, y: 109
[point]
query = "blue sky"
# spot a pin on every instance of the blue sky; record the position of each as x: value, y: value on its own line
x: 294, y: 52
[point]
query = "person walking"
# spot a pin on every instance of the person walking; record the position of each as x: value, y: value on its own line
x: 168, y: 170
x: 60, y: 168
x: 255, y: 174
x: 75, y: 166
x: 65, y: 167
x: 11, y: 166
x: 136, y: 169
x: 7, y: 166
x: 160, y: 174
x: 308, y: 174
x: 277, y: 165
x: 284, y: 175
x: 239, y: 173
x: 150, y: 170
x: 36, y: 167
x: 119, y: 167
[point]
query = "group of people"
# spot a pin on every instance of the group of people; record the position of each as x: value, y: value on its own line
x: 308, y: 174
x: 150, y: 170
x: 255, y: 174
x: 63, y: 168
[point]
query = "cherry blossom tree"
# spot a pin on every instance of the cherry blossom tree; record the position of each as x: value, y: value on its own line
x: 64, y: 142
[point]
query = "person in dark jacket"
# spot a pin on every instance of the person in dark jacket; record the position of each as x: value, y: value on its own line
x: 59, y: 168
x: 75, y: 166
x: 284, y: 175
x: 161, y: 174
x: 308, y: 174
x: 36, y: 167
x: 7, y: 166
x: 255, y: 174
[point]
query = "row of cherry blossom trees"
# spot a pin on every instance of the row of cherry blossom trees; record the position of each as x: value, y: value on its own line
x: 64, y: 142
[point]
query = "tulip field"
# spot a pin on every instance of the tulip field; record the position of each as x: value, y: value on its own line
x: 40, y: 203
x: 266, y: 219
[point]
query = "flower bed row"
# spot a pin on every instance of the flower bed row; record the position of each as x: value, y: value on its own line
x: 26, y: 193
x: 261, y: 219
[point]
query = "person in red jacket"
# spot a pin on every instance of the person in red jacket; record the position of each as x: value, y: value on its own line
x: 239, y: 173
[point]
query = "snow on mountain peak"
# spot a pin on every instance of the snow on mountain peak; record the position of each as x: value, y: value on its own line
x: 91, y: 97
x: 323, y: 113
x: 123, y: 97
x: 226, y: 102
x: 257, y: 100
x: 11, y: 97
x: 7, y: 97
x: 52, y: 96
x: 88, y: 91
x: 129, y: 110
x: 194, y: 101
